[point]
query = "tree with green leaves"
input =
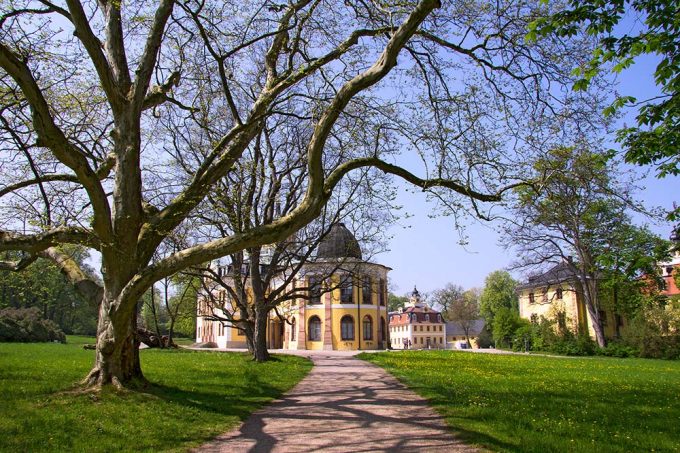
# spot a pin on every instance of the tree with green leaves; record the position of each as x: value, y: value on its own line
x: 628, y: 265
x: 655, y: 140
x: 459, y: 306
x: 578, y: 212
x: 500, y: 291
x: 505, y: 323
x: 44, y: 287
x: 394, y: 302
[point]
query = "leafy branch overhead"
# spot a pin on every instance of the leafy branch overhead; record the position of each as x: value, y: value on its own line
x: 651, y: 28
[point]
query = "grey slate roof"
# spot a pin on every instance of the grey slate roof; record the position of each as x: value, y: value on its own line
x: 454, y: 329
x: 560, y: 273
x: 339, y: 243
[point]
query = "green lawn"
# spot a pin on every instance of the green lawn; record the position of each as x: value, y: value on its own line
x: 529, y: 403
x: 195, y: 396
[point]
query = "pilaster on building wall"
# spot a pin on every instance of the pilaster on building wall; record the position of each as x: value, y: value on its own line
x: 302, y: 327
x: 327, y: 323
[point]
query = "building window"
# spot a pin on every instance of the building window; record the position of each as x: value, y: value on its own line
x: 381, y: 334
x: 292, y: 329
x: 314, y: 284
x: 314, y: 329
x: 428, y: 328
x: 381, y: 292
x: 558, y: 294
x: 366, y: 291
x: 368, y: 328
x: 669, y: 270
x: 240, y: 332
x: 532, y: 299
x: 346, y: 290
x: 347, y: 328
x: 534, y: 318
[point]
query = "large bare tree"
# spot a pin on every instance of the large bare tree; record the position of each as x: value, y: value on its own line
x: 98, y: 98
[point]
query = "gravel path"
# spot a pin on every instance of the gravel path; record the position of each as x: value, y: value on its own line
x: 343, y: 405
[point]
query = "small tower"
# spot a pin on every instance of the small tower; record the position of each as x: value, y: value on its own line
x: 414, y: 299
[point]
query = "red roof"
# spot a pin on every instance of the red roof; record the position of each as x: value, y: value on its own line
x: 413, y: 315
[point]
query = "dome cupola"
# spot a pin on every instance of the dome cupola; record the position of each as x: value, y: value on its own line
x: 339, y: 243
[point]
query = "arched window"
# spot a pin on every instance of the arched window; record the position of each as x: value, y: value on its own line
x: 347, y: 328
x: 368, y: 328
x: 292, y: 329
x: 314, y: 329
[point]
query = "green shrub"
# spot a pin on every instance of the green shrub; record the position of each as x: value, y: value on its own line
x: 523, y: 338
x: 26, y: 325
x: 618, y: 349
x: 485, y: 338
x: 655, y: 332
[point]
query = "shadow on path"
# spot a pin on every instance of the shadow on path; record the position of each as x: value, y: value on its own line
x: 347, y: 405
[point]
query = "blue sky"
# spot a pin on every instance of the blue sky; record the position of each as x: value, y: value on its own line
x: 426, y: 251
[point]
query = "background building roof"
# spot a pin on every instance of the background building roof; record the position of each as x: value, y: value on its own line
x: 454, y: 328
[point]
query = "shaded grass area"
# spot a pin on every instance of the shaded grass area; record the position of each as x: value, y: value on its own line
x: 194, y: 397
x: 547, y: 404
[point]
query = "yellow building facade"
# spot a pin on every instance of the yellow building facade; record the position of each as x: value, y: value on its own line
x: 553, y: 296
x: 349, y: 312
x: 342, y: 304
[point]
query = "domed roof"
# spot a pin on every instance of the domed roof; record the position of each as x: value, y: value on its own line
x: 339, y: 243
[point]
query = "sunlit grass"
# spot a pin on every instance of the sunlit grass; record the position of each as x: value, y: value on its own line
x: 194, y: 396
x: 529, y: 403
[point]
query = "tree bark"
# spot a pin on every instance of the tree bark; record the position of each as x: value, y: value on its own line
x: 260, y: 352
x: 117, y: 351
x: 249, y: 332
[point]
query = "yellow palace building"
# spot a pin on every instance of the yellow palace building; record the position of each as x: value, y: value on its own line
x: 344, y: 306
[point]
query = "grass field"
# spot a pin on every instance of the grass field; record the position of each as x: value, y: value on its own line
x: 195, y: 396
x: 544, y: 404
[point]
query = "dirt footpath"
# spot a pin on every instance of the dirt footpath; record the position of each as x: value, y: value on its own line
x: 343, y: 405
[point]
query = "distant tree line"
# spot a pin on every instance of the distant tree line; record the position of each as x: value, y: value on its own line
x: 44, y: 288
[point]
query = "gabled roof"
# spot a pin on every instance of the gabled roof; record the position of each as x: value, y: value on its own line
x: 454, y: 328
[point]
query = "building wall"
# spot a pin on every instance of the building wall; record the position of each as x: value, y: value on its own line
x: 457, y: 341
x: 418, y: 334
x: 330, y: 312
x: 547, y: 304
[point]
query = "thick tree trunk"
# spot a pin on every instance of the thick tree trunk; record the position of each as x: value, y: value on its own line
x: 593, y: 309
x: 249, y: 332
x: 597, y: 324
x: 117, y: 352
x: 260, y: 352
